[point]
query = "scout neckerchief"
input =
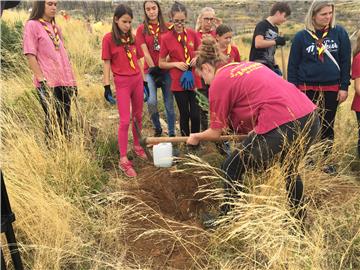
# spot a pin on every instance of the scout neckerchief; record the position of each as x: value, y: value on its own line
x: 183, y: 42
x: 55, y: 38
x: 319, y: 42
x: 156, y: 36
x: 126, y: 42
x: 228, y: 51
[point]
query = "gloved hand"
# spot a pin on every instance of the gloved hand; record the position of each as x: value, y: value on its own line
x: 187, y: 80
x: 280, y: 41
x: 108, y: 95
x: 146, y: 91
x: 157, y: 75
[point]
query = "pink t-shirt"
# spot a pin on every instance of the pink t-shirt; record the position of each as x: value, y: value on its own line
x: 355, y: 74
x: 54, y: 64
x: 248, y: 95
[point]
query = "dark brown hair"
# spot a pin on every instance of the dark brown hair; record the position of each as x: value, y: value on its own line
x: 116, y: 32
x: 177, y: 7
x: 209, y: 52
x: 38, y: 10
x: 161, y: 20
x: 223, y: 29
x: 281, y: 7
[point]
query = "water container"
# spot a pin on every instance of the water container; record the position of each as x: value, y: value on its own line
x: 163, y: 155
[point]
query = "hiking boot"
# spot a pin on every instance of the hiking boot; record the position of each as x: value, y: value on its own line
x: 329, y: 169
x: 127, y: 168
x: 139, y: 152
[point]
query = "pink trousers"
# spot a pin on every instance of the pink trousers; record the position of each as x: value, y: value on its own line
x: 130, y: 101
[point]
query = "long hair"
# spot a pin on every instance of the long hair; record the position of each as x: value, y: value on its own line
x: 116, y: 33
x: 315, y: 7
x: 209, y: 52
x: 199, y: 18
x: 161, y: 20
x: 38, y: 10
x: 357, y: 45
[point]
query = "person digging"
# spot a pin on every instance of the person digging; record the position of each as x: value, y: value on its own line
x: 249, y: 94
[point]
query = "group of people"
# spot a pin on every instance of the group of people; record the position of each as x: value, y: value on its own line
x: 248, y: 97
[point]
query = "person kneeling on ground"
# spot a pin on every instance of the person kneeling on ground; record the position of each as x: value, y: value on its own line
x: 240, y: 95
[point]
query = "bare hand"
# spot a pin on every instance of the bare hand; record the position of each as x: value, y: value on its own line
x: 193, y: 62
x: 181, y: 65
x: 193, y: 140
x: 342, y: 96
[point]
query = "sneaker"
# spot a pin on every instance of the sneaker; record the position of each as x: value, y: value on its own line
x: 139, y: 151
x: 127, y: 168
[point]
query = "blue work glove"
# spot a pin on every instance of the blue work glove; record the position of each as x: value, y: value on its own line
x: 146, y: 91
x: 187, y: 80
x: 108, y: 95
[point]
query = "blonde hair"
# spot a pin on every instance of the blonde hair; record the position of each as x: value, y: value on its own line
x: 199, y: 18
x: 357, y: 45
x: 315, y: 7
x: 209, y: 52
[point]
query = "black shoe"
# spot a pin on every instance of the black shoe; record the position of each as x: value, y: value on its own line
x: 158, y: 133
x: 329, y: 169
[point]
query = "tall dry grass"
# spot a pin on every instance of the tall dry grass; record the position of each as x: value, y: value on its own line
x: 71, y: 212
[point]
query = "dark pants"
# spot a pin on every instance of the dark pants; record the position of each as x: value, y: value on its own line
x: 289, y: 142
x: 56, y: 106
x: 189, y: 110
x: 204, y: 114
x: 327, y: 103
x: 358, y: 120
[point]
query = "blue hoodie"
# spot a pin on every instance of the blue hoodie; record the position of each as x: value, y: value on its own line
x: 305, y: 67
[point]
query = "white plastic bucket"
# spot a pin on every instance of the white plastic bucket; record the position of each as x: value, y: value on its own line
x: 163, y: 155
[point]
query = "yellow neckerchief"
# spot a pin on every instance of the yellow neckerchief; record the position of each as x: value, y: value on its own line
x: 126, y: 42
x: 156, y: 32
x: 319, y: 42
x: 228, y: 51
x: 55, y: 39
x: 183, y: 42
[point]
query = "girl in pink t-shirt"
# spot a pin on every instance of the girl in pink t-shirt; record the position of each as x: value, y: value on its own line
x: 120, y: 55
x: 355, y: 74
x: 49, y: 62
x: 281, y: 118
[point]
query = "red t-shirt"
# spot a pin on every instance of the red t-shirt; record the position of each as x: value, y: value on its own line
x: 144, y: 38
x: 120, y: 64
x: 248, y: 95
x: 172, y: 47
x: 355, y: 73
x: 234, y: 55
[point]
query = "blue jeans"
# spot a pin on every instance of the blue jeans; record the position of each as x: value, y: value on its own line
x: 168, y: 102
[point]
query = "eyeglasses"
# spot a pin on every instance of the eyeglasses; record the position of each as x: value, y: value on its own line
x: 208, y: 19
x: 50, y: 4
x: 179, y: 22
